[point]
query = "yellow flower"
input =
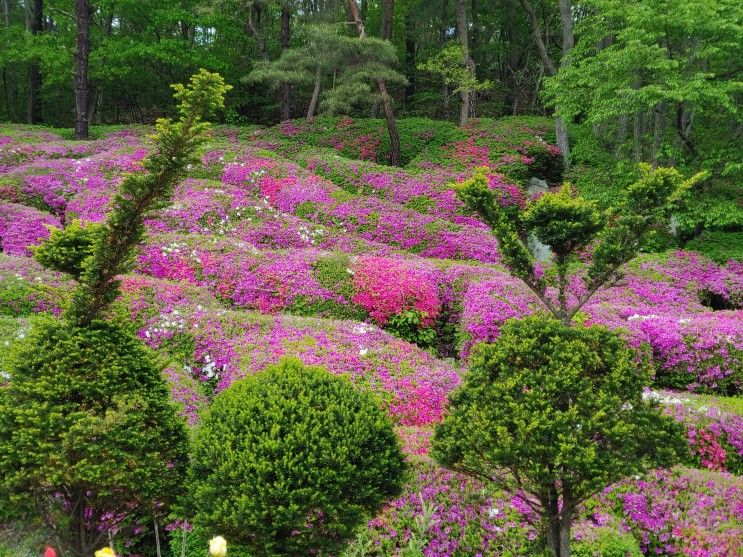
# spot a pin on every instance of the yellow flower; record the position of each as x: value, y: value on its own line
x: 217, y: 547
x: 105, y: 552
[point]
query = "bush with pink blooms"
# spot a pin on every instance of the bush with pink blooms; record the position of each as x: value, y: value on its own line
x: 387, y: 287
x: 279, y: 244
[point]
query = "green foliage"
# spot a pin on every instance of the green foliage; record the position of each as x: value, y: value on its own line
x: 608, y: 543
x: 197, y: 540
x: 332, y: 272
x: 563, y: 221
x: 176, y: 146
x: 320, y: 50
x: 679, y: 57
x: 717, y: 207
x: 567, y: 224
x: 16, y: 297
x: 292, y: 460
x: 555, y: 411
x: 67, y: 249
x: 406, y: 325
x: 421, y: 203
x: 449, y: 65
x: 87, y: 415
x: 718, y: 246
x: 420, y: 138
x: 658, y: 85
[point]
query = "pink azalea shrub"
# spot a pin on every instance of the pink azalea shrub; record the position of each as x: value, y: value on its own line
x: 386, y: 287
x: 22, y: 227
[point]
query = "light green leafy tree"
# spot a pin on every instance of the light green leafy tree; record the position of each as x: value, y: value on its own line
x: 660, y: 81
x: 449, y: 65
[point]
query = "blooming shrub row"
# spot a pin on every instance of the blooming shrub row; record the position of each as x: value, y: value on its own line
x: 677, y: 512
x: 291, y: 190
x: 429, y: 192
x: 659, y: 305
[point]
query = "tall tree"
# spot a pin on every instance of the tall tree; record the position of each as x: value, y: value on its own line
x: 83, y: 17
x: 286, y: 87
x: 322, y: 51
x: 566, y: 22
x: 34, y: 74
x: 389, y: 114
x: 468, y: 97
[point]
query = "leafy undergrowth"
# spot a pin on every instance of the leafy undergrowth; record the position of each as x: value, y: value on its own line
x: 298, y: 240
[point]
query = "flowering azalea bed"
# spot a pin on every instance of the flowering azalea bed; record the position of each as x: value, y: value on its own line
x: 323, y: 257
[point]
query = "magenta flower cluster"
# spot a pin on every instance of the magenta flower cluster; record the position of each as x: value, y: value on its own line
x: 261, y: 258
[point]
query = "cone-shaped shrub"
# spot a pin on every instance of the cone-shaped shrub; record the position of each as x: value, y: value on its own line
x: 290, y: 461
x: 89, y: 440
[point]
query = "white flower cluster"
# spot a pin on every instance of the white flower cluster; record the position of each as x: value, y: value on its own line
x: 173, y: 321
x: 310, y: 236
x: 642, y: 317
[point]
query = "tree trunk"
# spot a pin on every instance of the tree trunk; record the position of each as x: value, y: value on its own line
x: 410, y: 53
x: 315, y: 94
x: 443, y: 29
x: 94, y: 93
x: 659, y: 128
x: 566, y: 19
x: 388, y: 11
x: 6, y: 12
x: 563, y: 143
x: 551, y: 522
x: 33, y: 106
x: 684, y: 120
x: 445, y: 95
x: 638, y: 131
x: 389, y: 115
x: 385, y: 32
x: 157, y: 539
x: 83, y: 14
x: 566, y: 520
x: 286, y: 86
x: 568, y: 40
x: 464, y: 110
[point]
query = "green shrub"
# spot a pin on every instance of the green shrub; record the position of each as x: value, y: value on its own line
x: 557, y: 412
x: 406, y: 325
x: 718, y: 246
x: 87, y: 415
x: 290, y: 461
x: 66, y: 249
x: 607, y: 543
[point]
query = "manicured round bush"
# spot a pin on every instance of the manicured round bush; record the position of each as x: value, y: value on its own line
x: 292, y: 460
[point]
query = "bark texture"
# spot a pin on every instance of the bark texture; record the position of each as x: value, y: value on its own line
x: 83, y: 15
x: 389, y: 114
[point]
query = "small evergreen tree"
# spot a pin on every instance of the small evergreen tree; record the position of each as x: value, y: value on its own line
x: 290, y: 461
x: 569, y: 224
x: 555, y: 413
x: 89, y: 440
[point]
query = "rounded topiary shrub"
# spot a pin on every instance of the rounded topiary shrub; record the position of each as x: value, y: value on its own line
x: 290, y: 461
